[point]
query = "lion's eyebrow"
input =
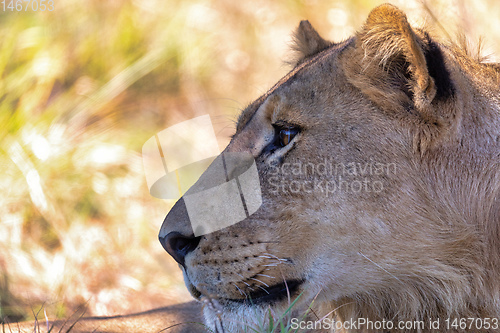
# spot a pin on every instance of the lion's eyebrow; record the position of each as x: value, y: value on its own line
x: 250, y: 111
x: 256, y: 107
x: 275, y: 113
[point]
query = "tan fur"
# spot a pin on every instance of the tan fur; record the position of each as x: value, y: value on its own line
x: 308, y: 42
x: 387, y: 35
x: 427, y: 246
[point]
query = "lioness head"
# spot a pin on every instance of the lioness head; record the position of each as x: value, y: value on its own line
x: 378, y: 160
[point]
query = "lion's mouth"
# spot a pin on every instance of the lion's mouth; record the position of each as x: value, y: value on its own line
x: 193, y: 291
x: 273, y: 294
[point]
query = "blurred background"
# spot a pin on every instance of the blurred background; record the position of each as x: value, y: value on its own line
x: 84, y: 86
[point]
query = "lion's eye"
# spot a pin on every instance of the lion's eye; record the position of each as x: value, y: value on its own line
x: 287, y: 135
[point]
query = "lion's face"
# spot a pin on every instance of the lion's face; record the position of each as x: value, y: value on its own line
x: 346, y: 207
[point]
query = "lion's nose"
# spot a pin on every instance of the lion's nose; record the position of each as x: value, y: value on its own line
x: 178, y: 245
x: 176, y: 235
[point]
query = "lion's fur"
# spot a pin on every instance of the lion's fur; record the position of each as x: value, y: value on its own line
x: 427, y: 246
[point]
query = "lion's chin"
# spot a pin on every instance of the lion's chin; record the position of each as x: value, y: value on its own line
x: 190, y: 287
x: 193, y: 291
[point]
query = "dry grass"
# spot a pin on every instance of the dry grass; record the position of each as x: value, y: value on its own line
x: 83, y: 87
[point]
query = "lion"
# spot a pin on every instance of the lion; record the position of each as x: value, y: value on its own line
x: 379, y: 166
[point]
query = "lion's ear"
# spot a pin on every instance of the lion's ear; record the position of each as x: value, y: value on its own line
x: 307, y: 41
x: 396, y: 66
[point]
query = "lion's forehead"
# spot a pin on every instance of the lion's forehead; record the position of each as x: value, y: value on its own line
x: 296, y: 75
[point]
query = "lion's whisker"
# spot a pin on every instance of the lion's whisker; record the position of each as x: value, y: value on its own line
x: 246, y: 284
x: 333, y: 311
x: 260, y: 282
x: 274, y: 257
x: 263, y: 289
x: 241, y: 291
x: 382, y: 268
x: 268, y: 276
